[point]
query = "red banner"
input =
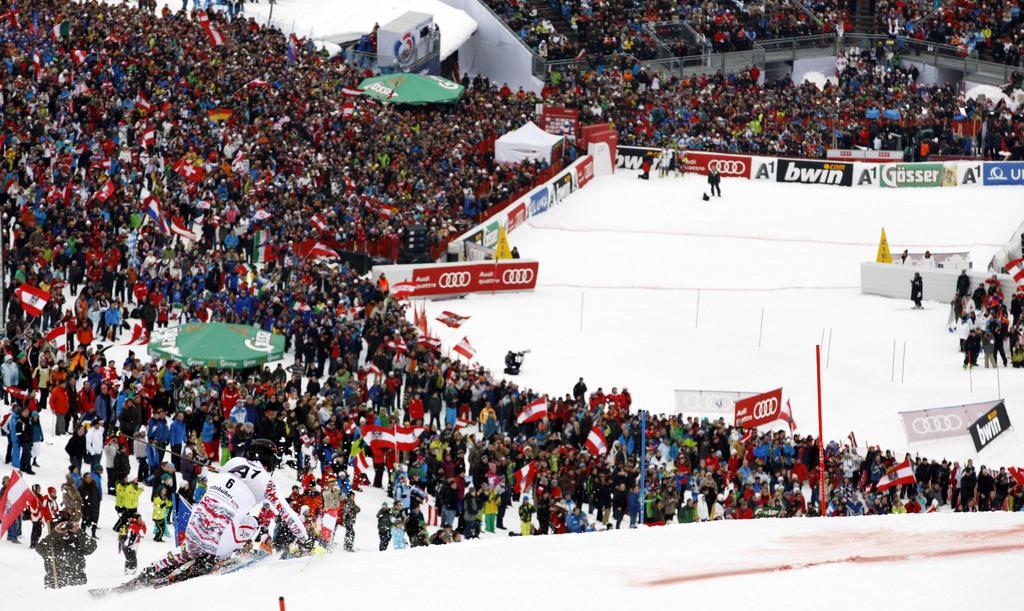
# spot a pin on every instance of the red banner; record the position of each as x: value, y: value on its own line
x: 561, y: 121
x: 759, y: 409
x: 482, y: 277
x: 727, y: 165
x: 584, y: 172
x: 516, y: 217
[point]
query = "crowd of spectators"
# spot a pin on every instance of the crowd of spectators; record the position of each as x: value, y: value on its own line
x: 986, y: 29
x: 744, y: 113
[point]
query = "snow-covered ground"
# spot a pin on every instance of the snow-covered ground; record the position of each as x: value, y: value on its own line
x: 622, y: 260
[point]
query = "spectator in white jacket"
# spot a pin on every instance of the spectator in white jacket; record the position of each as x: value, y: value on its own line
x: 94, y: 443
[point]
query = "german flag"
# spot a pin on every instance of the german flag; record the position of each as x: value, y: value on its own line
x: 220, y: 114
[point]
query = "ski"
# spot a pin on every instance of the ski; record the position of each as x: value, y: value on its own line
x: 187, y: 571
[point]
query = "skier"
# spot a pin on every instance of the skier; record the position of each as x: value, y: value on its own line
x: 220, y: 522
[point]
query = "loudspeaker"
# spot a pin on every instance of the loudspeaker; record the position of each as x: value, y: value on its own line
x: 415, y: 245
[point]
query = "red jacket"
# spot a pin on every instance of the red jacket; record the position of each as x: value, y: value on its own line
x: 416, y: 409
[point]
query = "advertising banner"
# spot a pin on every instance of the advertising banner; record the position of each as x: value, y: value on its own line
x: 990, y: 425
x: 729, y: 166
x: 864, y: 155
x: 720, y: 402
x: 969, y: 173
x: 943, y: 422
x: 560, y: 121
x: 447, y: 279
x: 898, y: 175
x: 516, y: 216
x: 1003, y: 173
x: 632, y: 157
x: 760, y: 409
x: 563, y: 186
x: 584, y: 172
x: 810, y: 172
x: 539, y: 201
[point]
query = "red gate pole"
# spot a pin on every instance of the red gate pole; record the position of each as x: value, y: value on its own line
x: 821, y: 443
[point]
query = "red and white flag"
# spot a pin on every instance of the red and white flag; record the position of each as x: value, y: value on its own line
x: 363, y: 465
x: 216, y: 38
x: 853, y: 440
x: 17, y: 393
x: 58, y: 336
x: 318, y: 222
x: 106, y: 191
x: 351, y: 92
x: 328, y: 522
x: 897, y: 475
x: 178, y: 228
x: 257, y: 83
x: 430, y: 343
x: 143, y: 103
x: 372, y: 368
x: 465, y: 349
x: 451, y: 319
x: 188, y: 170
x: 15, y: 499
x: 32, y: 299
x: 1016, y: 269
x: 149, y: 137
x: 396, y: 346
x: 748, y: 436
x: 320, y: 250
x: 596, y: 442
x: 1018, y: 475
x: 401, y: 438
x: 461, y: 424
x: 79, y: 56
x: 348, y: 109
x: 407, y: 438
x: 524, y: 478
x: 140, y: 336
x: 786, y: 415
x: 430, y: 513
x: 402, y: 290
x: 38, y: 65
x: 534, y: 411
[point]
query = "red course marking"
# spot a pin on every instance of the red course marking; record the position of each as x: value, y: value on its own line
x: 987, y: 549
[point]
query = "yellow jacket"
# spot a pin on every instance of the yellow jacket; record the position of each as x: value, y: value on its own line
x: 161, y: 507
x: 127, y: 495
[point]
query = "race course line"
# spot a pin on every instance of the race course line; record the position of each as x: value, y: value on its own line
x: 730, y: 236
x: 634, y: 287
x: 946, y: 553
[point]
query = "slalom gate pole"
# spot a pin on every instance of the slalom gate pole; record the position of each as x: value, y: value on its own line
x: 828, y: 355
x: 903, y: 367
x: 821, y: 443
x: 892, y: 375
x: 280, y: 603
x: 999, y: 385
x: 760, y: 328
x: 696, y: 321
x: 581, y: 309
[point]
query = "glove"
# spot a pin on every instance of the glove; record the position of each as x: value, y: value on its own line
x: 307, y: 544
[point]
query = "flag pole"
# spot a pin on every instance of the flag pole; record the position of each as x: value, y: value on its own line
x: 821, y: 445
x: 643, y: 463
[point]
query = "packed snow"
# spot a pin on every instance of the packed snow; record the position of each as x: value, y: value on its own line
x: 624, y: 264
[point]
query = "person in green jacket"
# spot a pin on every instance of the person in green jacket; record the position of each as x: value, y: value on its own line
x: 687, y: 512
x: 161, y: 508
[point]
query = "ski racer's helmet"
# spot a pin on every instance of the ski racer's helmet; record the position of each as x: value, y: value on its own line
x: 264, y: 452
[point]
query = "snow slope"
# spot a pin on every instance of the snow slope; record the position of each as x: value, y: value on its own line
x: 631, y: 256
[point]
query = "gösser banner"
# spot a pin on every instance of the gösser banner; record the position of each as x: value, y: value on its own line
x: 759, y: 409
x: 943, y: 422
x: 913, y: 175
x: 736, y: 166
x: 990, y: 425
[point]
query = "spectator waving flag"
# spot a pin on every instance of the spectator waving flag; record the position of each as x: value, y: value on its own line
x: 32, y: 299
x: 58, y: 337
x: 293, y: 49
x: 596, y: 442
x: 524, y: 478
x: 17, y: 496
x: 402, y: 290
x: 320, y: 250
x: 143, y: 103
x: 149, y: 137
x: 853, y: 440
x: 328, y: 522
x: 363, y: 466
x: 1018, y: 475
x: 786, y: 415
x: 79, y: 56
x: 396, y: 345
x: 151, y: 206
x: 465, y: 349
x: 61, y: 29
x: 318, y: 222
x: 106, y: 191
x: 534, y: 411
x: 1016, y: 269
x: 897, y: 475
x: 451, y: 319
x: 179, y: 229
x: 216, y: 38
x: 140, y: 336
x: 430, y: 343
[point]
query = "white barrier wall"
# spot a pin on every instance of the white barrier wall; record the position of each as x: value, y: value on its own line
x: 495, y: 51
x: 893, y: 280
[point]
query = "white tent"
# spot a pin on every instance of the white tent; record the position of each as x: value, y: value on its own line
x: 527, y: 142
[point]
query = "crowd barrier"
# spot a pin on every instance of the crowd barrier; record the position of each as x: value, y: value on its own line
x: 893, y: 280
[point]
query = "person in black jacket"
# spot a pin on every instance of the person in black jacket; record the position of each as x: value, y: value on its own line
x: 917, y: 290
x: 64, y: 551
x: 715, y: 181
x: 963, y: 284
x: 75, y: 447
x: 90, y: 502
x: 23, y: 431
x: 579, y: 391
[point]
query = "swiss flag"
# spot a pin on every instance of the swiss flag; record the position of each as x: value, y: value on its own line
x: 15, y: 499
x: 189, y: 171
x: 32, y: 299
x: 596, y: 442
x: 524, y: 478
x: 534, y: 411
x: 465, y: 349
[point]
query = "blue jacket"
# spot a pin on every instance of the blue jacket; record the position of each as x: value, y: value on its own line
x: 102, y: 407
x: 157, y: 430
x: 178, y: 434
x: 572, y: 522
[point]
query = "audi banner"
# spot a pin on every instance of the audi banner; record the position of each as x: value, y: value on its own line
x: 759, y: 409
x: 480, y: 277
x: 943, y: 422
x: 990, y: 425
x: 736, y: 166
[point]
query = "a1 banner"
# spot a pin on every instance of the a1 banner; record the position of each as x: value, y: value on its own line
x: 992, y: 424
x: 759, y: 409
x: 729, y: 166
x: 483, y: 277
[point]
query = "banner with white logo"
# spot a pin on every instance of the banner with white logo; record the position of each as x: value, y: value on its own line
x: 734, y: 166
x: 990, y: 425
x: 721, y: 402
x: 447, y: 279
x: 943, y: 422
x: 759, y: 409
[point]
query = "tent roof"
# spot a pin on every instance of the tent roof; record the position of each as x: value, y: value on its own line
x: 530, y: 134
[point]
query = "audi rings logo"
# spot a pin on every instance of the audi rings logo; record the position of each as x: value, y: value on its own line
x: 522, y: 275
x: 766, y: 407
x: 454, y: 280
x: 937, y: 424
x: 728, y: 166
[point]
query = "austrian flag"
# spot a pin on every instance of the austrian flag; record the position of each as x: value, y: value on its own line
x: 16, y: 497
x: 451, y: 319
x: 216, y: 38
x: 58, y: 336
x: 525, y: 477
x: 318, y: 222
x: 596, y: 442
x: 465, y: 349
x: 534, y: 411
x: 897, y: 475
x: 79, y: 56
x: 32, y: 299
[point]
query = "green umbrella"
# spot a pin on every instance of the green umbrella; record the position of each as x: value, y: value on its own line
x: 404, y: 88
x: 217, y: 344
